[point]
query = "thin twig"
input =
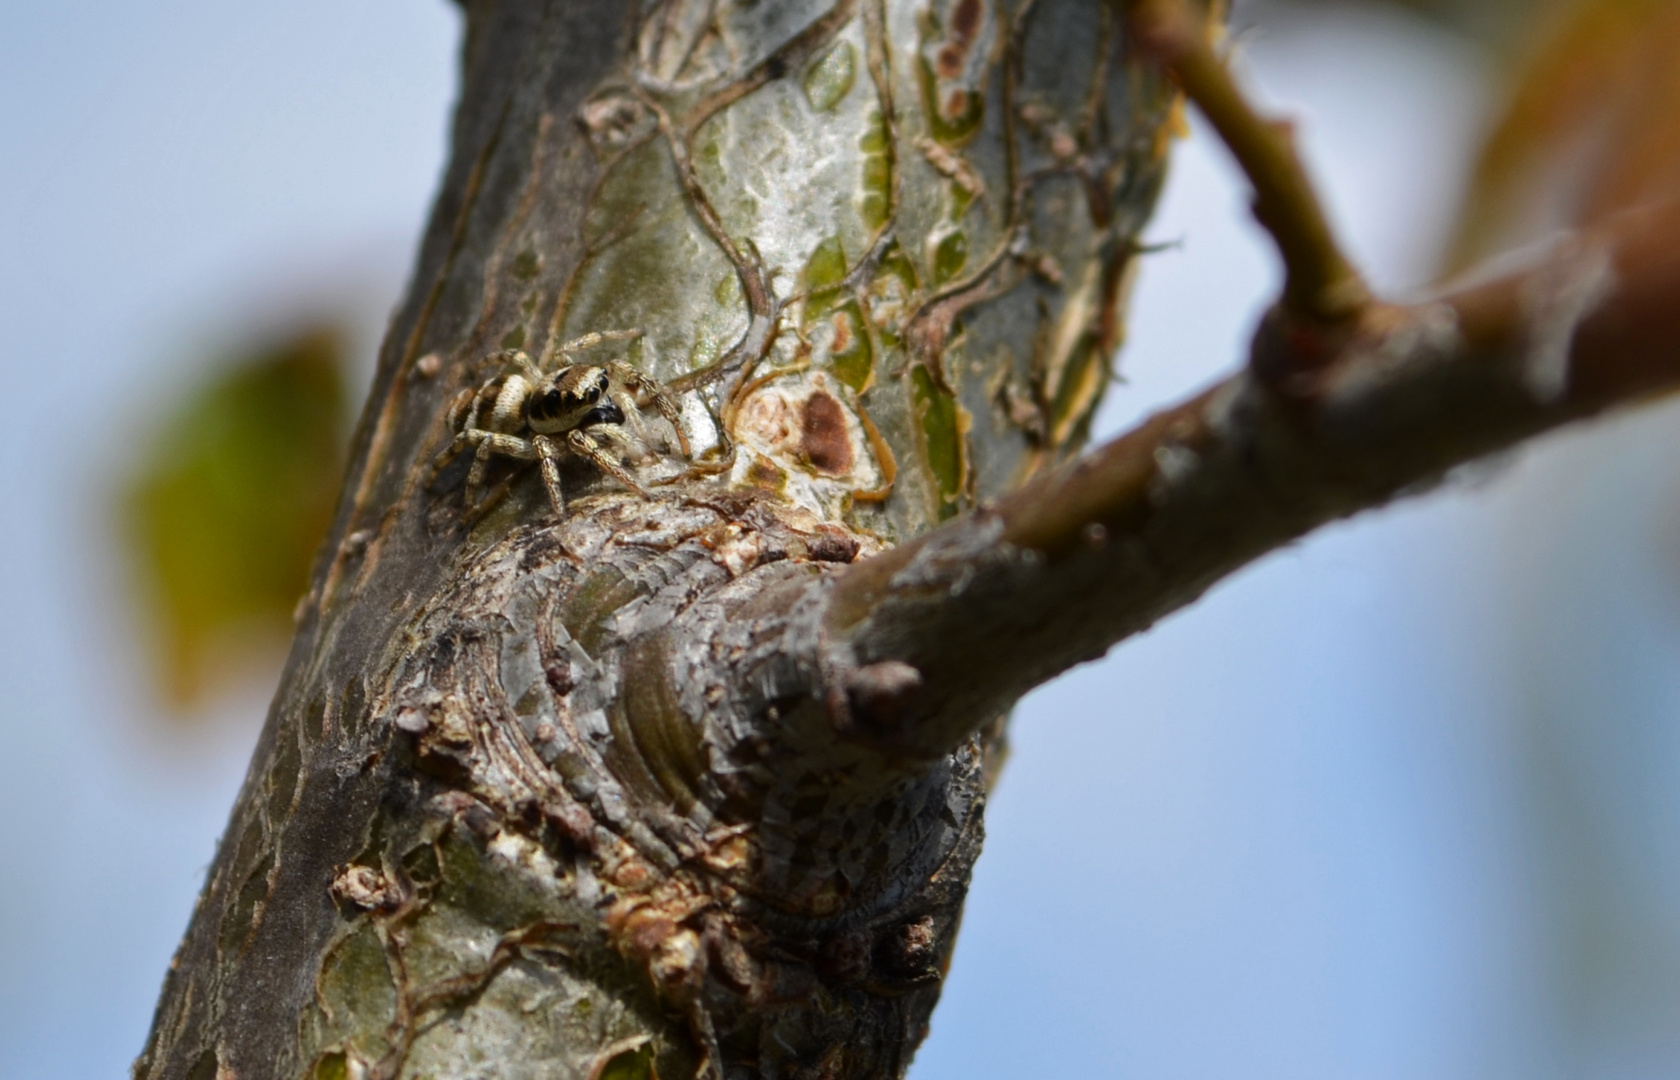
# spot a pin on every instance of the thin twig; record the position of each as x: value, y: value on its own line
x: 1320, y: 284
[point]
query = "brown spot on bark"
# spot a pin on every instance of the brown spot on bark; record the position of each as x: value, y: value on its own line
x: 842, y: 333
x: 823, y: 436
x: 953, y: 56
x: 763, y: 474
x: 965, y: 20
x: 832, y: 547
x: 880, y: 693
x: 559, y: 678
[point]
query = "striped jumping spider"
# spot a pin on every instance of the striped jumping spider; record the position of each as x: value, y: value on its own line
x: 538, y: 415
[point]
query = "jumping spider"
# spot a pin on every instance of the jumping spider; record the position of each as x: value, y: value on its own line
x: 538, y: 416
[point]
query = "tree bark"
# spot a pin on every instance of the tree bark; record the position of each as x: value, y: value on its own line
x: 691, y: 783
x: 536, y: 797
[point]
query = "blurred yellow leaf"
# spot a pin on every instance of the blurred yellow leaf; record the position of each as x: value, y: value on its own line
x: 224, y: 511
x: 1592, y: 125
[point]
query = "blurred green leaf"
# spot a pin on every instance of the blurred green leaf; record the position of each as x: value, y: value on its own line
x: 225, y: 508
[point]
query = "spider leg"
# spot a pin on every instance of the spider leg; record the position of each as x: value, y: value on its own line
x: 473, y: 515
x: 641, y: 384
x: 548, y: 456
x: 475, y: 475
x: 456, y: 445
x: 597, y: 337
x: 724, y: 462
x: 463, y: 418
x: 583, y: 445
x: 491, y: 442
x: 631, y: 434
x: 520, y: 359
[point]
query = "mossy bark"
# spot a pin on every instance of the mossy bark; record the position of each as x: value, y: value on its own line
x: 577, y: 797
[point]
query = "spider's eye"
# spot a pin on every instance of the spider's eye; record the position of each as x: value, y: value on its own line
x: 552, y: 399
x: 595, y: 393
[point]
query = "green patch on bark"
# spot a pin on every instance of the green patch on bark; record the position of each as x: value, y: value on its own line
x: 961, y: 199
x: 632, y: 1064
x: 525, y: 265
x: 483, y: 885
x: 600, y: 594
x: 956, y: 119
x: 766, y: 475
x: 331, y: 1066
x: 875, y: 205
x: 1080, y: 389
x: 421, y: 864
x: 850, y: 357
x: 944, y: 426
x: 950, y: 255
x: 830, y: 77
x: 824, y: 271
x: 704, y: 350
x: 356, y: 992
x: 890, y: 293
x: 205, y: 1067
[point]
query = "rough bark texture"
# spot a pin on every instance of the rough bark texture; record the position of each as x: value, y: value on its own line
x: 575, y: 798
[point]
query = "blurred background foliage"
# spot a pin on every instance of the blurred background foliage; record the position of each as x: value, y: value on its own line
x: 226, y: 505
x: 1590, y: 124
x: 1587, y: 120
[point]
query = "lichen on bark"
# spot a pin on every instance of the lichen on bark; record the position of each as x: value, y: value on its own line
x: 579, y: 797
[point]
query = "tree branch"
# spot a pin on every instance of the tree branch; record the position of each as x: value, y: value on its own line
x: 1320, y: 284
x: 925, y: 644
x: 506, y: 808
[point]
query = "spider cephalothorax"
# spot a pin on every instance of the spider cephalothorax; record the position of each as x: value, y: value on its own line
x: 537, y: 415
